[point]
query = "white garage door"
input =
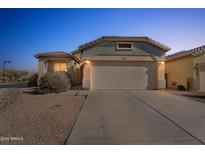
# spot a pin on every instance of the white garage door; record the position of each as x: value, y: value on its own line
x: 123, y: 75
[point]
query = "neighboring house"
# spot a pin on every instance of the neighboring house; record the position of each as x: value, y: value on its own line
x: 113, y: 62
x: 186, y: 68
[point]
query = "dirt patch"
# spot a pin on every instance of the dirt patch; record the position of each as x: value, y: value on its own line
x: 8, y: 97
x: 38, y: 119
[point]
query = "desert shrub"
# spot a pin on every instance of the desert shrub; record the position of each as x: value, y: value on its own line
x: 33, y: 80
x: 181, y: 88
x: 54, y: 82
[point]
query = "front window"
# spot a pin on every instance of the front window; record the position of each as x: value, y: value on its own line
x: 124, y: 46
x: 60, y: 67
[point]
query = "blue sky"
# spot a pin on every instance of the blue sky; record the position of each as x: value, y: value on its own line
x: 25, y: 32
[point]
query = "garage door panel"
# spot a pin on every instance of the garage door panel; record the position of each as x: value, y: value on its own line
x: 123, y: 75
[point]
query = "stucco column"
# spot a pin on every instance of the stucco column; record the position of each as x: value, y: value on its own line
x: 86, y: 74
x: 199, y: 72
x: 41, y: 68
x: 196, y: 76
x: 161, y: 75
x: 202, y: 77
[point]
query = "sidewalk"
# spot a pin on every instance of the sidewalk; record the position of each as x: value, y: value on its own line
x: 13, y: 85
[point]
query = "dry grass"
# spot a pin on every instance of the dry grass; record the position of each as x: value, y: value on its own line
x: 37, y: 119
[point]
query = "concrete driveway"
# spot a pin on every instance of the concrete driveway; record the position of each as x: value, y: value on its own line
x: 139, y: 117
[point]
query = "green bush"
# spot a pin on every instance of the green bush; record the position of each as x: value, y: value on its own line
x: 181, y: 88
x: 54, y: 82
x: 33, y: 80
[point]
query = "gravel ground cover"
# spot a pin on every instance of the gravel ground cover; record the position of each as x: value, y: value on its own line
x: 37, y: 119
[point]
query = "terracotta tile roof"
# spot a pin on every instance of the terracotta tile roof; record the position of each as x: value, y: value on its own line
x: 197, y: 51
x: 56, y: 54
x: 178, y: 55
x: 123, y: 38
x: 194, y: 52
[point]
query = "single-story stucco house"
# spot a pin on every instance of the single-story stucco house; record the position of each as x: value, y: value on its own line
x: 59, y: 61
x: 112, y: 62
x: 186, y: 68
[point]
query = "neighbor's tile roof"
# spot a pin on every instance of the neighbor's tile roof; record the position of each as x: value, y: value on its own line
x: 123, y: 38
x: 194, y: 52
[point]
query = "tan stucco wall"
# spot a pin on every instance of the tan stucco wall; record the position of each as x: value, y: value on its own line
x: 179, y: 70
x: 200, y: 81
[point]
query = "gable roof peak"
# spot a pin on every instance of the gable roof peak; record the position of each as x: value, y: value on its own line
x: 124, y: 38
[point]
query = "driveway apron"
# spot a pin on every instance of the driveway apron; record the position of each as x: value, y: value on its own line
x: 118, y: 117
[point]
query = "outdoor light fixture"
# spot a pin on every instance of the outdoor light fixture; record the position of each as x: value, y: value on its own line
x: 161, y: 62
x: 87, y: 61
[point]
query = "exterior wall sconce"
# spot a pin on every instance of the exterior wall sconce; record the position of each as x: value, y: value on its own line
x: 86, y: 61
x: 161, y: 62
